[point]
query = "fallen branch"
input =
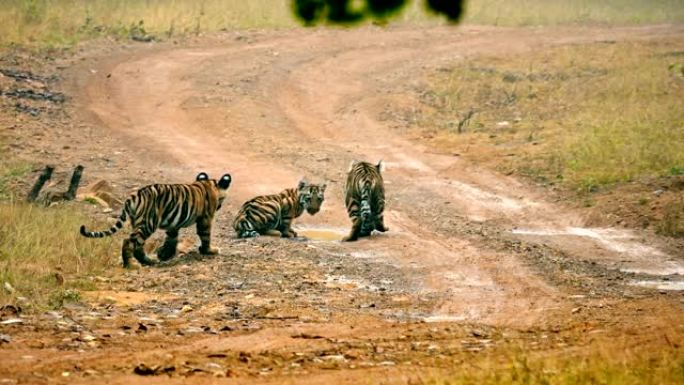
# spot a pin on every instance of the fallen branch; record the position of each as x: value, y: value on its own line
x: 44, y: 177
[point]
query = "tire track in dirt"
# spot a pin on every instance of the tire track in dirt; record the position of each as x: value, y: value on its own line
x: 270, y: 110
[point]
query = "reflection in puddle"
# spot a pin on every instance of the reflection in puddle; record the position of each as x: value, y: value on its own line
x: 444, y: 318
x: 660, y: 285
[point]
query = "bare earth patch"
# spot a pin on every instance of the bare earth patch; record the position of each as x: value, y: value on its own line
x: 476, y: 266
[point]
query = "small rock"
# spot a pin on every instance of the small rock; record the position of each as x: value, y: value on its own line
x: 88, y: 338
x: 5, y: 339
x: 9, y: 288
x: 334, y: 357
x: 12, y: 321
x: 576, y: 310
x: 186, y: 309
x: 503, y: 124
x: 387, y: 363
x: 658, y: 192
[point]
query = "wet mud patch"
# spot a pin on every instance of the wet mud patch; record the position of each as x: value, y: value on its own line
x: 122, y: 298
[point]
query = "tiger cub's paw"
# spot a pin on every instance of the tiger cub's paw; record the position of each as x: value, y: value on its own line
x: 209, y: 251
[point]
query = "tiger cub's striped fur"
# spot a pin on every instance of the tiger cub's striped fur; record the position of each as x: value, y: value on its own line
x: 266, y: 213
x: 169, y: 207
x: 364, y: 195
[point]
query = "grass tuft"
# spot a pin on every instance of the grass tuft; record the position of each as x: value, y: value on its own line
x: 43, y: 256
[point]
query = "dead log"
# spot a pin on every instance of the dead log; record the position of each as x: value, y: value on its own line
x: 73, y: 184
x: 42, y: 179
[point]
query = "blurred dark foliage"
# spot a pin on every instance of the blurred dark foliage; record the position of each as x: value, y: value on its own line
x: 312, y: 12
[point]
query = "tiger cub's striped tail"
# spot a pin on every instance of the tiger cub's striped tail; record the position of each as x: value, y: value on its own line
x: 106, y: 233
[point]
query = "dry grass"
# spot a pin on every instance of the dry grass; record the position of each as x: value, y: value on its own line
x: 580, y: 115
x: 616, y: 368
x: 65, y: 22
x: 37, y: 244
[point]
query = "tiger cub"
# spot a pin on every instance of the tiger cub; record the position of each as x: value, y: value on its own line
x: 364, y: 196
x: 266, y: 213
x: 169, y: 207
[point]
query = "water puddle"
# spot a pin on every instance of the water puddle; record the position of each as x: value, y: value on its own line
x: 660, y: 285
x: 322, y: 234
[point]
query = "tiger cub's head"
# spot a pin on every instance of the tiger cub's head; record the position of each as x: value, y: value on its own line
x: 221, y: 185
x: 311, y: 196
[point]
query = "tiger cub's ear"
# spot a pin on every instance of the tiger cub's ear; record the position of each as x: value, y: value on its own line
x: 322, y: 187
x: 381, y: 166
x: 202, y: 176
x: 224, y: 182
x: 352, y: 164
x: 302, y: 183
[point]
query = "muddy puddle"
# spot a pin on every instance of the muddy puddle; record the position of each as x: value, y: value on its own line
x: 322, y: 234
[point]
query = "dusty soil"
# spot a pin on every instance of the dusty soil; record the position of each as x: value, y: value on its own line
x: 474, y: 261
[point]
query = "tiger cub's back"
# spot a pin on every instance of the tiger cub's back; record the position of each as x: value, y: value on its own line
x: 365, y: 198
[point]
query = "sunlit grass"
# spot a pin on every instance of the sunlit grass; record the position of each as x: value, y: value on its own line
x: 615, y: 368
x: 583, y: 116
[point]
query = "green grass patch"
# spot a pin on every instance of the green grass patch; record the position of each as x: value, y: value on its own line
x: 582, y: 115
x: 56, y: 23
x: 38, y: 245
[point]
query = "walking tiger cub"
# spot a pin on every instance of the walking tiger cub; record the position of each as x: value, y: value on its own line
x: 364, y: 195
x: 266, y: 213
x: 169, y: 207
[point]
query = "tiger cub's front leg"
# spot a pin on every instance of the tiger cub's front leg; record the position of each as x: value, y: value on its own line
x: 285, y: 229
x: 204, y: 232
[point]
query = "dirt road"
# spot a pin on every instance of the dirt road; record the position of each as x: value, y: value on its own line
x: 466, y: 246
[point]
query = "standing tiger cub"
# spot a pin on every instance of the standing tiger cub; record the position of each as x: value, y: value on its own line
x: 266, y: 213
x: 364, y: 196
x: 169, y: 207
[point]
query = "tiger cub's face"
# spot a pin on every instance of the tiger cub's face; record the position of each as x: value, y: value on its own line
x: 311, y: 196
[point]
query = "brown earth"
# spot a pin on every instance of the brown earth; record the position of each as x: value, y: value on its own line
x: 474, y: 261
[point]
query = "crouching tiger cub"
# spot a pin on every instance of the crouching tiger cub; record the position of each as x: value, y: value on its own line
x: 364, y: 195
x: 266, y: 213
x: 169, y: 207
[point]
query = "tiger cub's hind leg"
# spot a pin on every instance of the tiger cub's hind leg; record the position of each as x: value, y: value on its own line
x: 204, y: 232
x: 380, y: 224
x: 355, y: 231
x: 168, y: 249
x: 127, y: 252
x: 137, y: 239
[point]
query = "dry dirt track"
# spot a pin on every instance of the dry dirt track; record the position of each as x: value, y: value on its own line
x: 465, y: 244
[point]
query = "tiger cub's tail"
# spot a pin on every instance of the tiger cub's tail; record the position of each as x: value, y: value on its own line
x: 106, y: 233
